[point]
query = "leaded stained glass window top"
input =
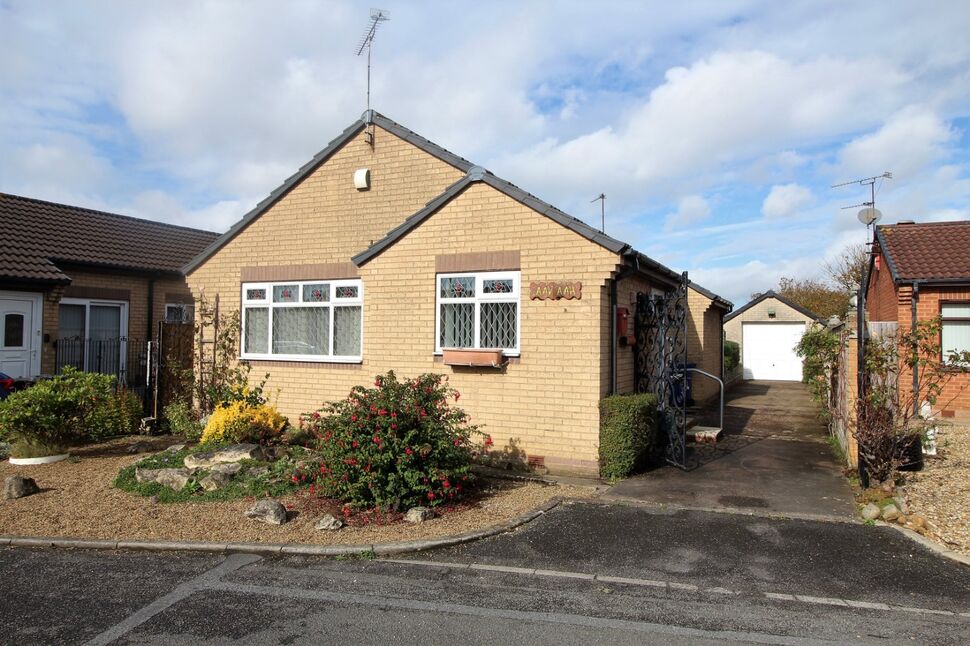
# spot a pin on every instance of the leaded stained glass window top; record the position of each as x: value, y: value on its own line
x: 256, y: 294
x: 500, y: 286
x: 458, y: 287
x: 347, y: 291
x: 316, y: 293
x: 286, y: 294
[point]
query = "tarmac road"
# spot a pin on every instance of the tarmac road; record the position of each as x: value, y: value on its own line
x: 582, y: 574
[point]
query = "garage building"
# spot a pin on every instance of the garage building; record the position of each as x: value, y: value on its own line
x: 768, y: 328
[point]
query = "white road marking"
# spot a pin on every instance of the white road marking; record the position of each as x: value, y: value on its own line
x: 515, y: 615
x: 204, y: 581
x: 676, y: 585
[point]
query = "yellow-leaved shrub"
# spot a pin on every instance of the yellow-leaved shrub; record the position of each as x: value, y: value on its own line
x: 240, y: 421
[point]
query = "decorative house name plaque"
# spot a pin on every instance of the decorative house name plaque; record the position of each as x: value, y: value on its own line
x: 555, y: 290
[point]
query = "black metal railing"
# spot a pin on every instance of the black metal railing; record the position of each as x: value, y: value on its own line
x: 124, y: 357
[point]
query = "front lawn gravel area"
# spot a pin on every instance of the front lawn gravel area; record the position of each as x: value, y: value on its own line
x: 941, y: 491
x: 77, y: 499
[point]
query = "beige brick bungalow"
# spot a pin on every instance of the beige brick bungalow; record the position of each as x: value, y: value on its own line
x: 386, y: 250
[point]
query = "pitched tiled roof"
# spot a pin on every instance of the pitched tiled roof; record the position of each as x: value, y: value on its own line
x: 778, y: 297
x: 718, y: 300
x: 927, y: 251
x: 36, y: 235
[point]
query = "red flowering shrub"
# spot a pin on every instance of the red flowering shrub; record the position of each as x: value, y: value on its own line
x: 393, y: 446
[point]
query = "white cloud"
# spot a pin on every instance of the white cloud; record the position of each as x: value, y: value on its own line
x: 191, y: 112
x: 786, y: 199
x: 727, y: 108
x: 907, y: 143
x: 692, y: 209
x: 738, y: 282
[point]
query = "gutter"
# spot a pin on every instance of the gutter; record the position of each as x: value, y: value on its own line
x: 913, y: 301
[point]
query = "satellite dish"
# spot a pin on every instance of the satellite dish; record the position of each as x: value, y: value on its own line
x: 869, y: 215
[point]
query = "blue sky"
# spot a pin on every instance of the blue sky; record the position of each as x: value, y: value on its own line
x: 715, y: 128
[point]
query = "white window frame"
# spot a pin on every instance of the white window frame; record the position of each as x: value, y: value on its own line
x: 953, y: 320
x: 477, y: 300
x: 123, y: 328
x: 330, y: 304
x: 187, y: 308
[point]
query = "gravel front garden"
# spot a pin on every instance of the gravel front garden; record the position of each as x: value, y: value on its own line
x: 941, y: 491
x: 78, y: 499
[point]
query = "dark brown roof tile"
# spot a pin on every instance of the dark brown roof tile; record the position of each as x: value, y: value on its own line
x: 36, y: 235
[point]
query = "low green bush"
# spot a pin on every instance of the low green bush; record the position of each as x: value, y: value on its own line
x: 732, y: 355
x: 183, y: 420
x: 394, y: 446
x: 629, y: 435
x: 72, y: 408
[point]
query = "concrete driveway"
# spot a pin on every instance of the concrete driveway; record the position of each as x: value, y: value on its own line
x: 773, y: 457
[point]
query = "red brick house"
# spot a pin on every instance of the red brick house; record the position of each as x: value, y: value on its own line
x: 85, y: 288
x: 916, y: 273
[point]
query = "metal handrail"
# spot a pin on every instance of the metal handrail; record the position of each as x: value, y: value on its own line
x: 715, y: 378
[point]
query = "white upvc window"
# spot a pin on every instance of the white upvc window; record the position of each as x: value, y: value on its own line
x: 478, y: 310
x: 955, y: 331
x: 309, y: 320
x: 179, y: 312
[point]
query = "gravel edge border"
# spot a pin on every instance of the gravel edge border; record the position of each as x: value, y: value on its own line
x: 378, y: 549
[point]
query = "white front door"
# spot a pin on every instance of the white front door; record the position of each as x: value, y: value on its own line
x: 768, y: 351
x: 20, y: 322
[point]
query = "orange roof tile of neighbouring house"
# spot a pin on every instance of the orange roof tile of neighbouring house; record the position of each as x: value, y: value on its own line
x: 932, y: 251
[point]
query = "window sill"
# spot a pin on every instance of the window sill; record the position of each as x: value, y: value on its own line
x: 297, y: 358
x: 956, y: 369
x: 474, y: 357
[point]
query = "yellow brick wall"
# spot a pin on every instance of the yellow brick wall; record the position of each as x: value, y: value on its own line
x: 704, y: 343
x: 545, y: 402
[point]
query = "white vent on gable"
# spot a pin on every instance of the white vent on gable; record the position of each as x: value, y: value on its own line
x: 362, y: 179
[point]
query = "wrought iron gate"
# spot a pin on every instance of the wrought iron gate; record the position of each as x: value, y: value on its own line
x: 661, y: 359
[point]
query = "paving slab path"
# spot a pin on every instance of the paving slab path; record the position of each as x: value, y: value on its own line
x: 773, y: 457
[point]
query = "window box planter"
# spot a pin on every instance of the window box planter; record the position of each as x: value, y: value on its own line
x: 485, y: 357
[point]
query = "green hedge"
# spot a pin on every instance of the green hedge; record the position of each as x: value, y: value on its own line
x: 69, y: 409
x: 628, y: 433
x: 732, y: 355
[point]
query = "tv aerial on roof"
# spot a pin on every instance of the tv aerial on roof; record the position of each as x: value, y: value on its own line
x: 869, y: 214
x: 377, y: 16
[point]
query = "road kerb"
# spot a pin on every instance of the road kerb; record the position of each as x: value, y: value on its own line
x: 380, y: 549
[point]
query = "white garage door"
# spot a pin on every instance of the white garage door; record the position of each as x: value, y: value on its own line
x: 769, y: 351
